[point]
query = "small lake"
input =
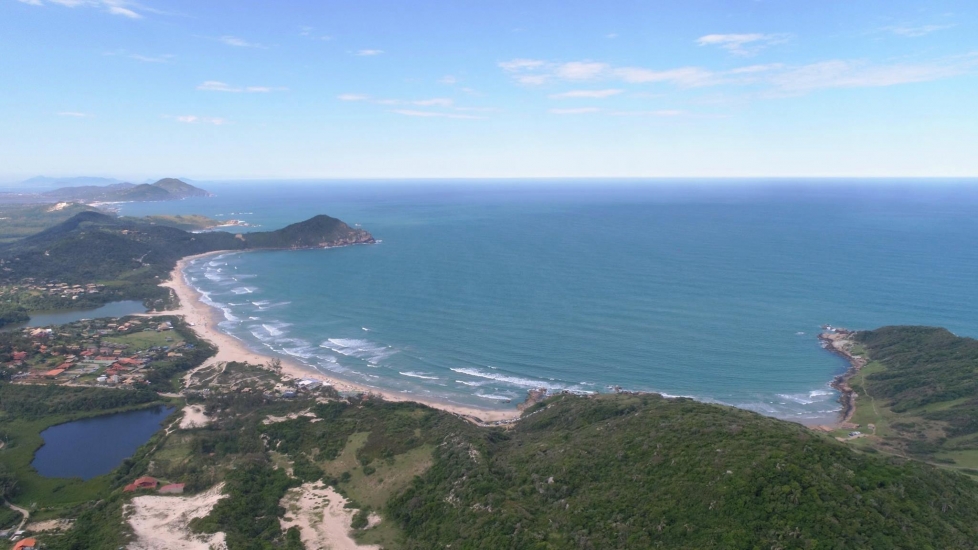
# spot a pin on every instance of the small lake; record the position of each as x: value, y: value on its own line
x: 95, y: 446
x: 112, y: 309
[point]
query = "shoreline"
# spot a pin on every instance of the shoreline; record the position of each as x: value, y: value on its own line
x: 203, y: 319
x: 839, y: 341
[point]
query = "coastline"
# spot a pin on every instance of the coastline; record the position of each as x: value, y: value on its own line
x: 839, y: 341
x: 204, y: 320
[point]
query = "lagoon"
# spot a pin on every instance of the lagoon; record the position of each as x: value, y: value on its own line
x: 95, y: 446
x: 62, y: 317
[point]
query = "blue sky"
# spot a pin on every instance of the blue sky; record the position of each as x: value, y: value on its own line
x: 370, y: 88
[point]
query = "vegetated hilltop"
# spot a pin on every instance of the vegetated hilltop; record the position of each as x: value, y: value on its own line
x: 132, y: 256
x: 163, y: 190
x: 21, y: 220
x: 617, y: 471
x: 920, y: 391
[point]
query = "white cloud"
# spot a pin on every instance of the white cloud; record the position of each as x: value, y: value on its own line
x: 448, y: 79
x: 916, y: 32
x: 369, y: 53
x: 580, y: 70
x: 436, y: 102
x: 742, y: 44
x: 517, y: 65
x: 352, y: 97
x: 658, y: 113
x: 75, y: 114
x: 593, y: 94
x: 686, y: 77
x: 861, y: 74
x: 194, y: 119
x: 218, y: 86
x: 238, y: 42
x: 148, y: 59
x: 612, y: 35
x: 123, y: 8
x: 778, y: 78
x: 125, y: 12
x: 578, y: 111
x: 433, y: 114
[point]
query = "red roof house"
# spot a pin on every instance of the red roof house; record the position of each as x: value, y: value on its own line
x: 26, y: 544
x: 145, y: 482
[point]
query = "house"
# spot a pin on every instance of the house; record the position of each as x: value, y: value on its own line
x: 144, y: 482
x: 26, y: 544
x: 20, y: 355
x: 172, y: 489
x: 54, y: 373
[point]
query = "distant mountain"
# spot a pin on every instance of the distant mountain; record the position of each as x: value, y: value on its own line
x: 180, y: 188
x: 166, y: 189
x: 44, y: 181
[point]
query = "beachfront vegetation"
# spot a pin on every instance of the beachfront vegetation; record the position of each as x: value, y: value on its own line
x: 21, y: 220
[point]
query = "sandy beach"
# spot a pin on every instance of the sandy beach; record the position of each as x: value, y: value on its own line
x: 204, y: 320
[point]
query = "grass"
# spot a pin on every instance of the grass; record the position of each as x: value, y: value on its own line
x: 388, y: 478
x: 138, y: 341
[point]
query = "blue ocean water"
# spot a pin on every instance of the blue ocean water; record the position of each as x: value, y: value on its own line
x: 480, y: 291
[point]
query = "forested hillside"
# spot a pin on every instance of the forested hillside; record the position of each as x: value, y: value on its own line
x: 131, y: 256
x: 920, y: 391
x: 646, y: 472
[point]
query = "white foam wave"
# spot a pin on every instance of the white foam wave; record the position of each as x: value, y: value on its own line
x: 514, y: 380
x: 244, y: 290
x: 422, y: 375
x: 494, y: 397
x: 275, y: 329
x: 361, y: 349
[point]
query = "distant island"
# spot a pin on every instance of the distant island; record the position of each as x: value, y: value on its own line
x: 166, y: 189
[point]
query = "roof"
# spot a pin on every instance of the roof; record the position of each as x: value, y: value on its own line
x: 26, y: 543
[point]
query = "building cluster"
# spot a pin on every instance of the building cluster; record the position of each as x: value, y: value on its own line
x: 50, y: 288
x: 77, y: 354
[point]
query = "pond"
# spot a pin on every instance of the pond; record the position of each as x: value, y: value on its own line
x: 112, y: 309
x: 95, y: 446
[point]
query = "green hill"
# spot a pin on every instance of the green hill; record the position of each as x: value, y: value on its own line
x: 134, y: 255
x: 180, y: 189
x: 617, y: 471
x: 920, y: 393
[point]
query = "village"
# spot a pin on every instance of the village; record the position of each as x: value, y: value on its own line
x: 52, y: 289
x: 102, y: 352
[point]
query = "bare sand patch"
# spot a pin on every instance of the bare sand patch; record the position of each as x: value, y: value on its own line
x: 162, y: 523
x: 317, y: 510
x: 194, y: 417
x: 49, y: 525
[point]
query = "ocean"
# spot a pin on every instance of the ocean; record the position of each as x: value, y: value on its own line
x: 479, y: 291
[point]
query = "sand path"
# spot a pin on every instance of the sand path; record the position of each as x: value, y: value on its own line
x: 317, y: 510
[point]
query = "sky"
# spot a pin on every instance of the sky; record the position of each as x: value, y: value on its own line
x: 500, y: 89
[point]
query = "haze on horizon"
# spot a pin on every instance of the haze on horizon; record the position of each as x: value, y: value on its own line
x: 375, y: 89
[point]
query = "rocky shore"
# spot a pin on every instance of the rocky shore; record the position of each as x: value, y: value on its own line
x: 840, y: 342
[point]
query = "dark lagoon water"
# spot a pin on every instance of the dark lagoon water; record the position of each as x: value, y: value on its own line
x: 112, y: 309
x: 95, y: 446
x: 481, y: 290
